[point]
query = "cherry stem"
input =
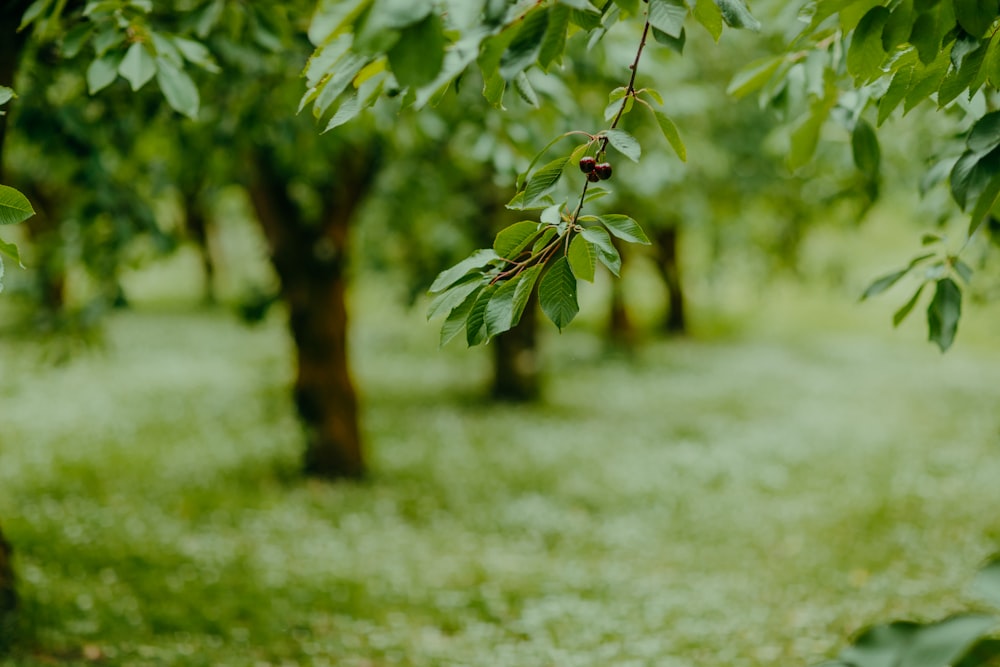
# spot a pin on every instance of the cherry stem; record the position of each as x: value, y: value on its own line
x: 629, y: 92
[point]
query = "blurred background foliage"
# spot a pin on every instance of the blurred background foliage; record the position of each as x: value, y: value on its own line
x: 149, y: 479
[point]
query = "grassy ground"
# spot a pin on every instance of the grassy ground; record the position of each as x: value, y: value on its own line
x: 748, y: 501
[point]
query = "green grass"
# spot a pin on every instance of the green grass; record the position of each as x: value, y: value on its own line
x: 748, y: 501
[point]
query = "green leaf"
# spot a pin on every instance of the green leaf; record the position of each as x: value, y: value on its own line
x: 975, y: 16
x: 138, y: 66
x: 582, y: 258
x: 885, y: 282
x: 557, y: 293
x: 522, y: 294
x: 455, y: 295
x: 544, y: 181
x: 177, y: 87
x: 898, y: 87
x: 707, y: 13
x: 33, y: 11
x: 987, y: 200
x: 668, y: 16
x: 897, y: 28
x: 332, y: 16
x: 805, y: 136
x: 450, y: 276
x: 943, y: 315
x: 554, y: 41
x: 499, y: 314
x: 475, y: 325
x: 926, y: 81
x: 944, y: 642
x: 736, y: 14
x: 12, y: 251
x: 6, y: 95
x: 963, y: 270
x: 606, y: 250
x: 864, y: 144
x: 581, y: 5
x: 102, y: 72
x: 986, y: 585
x: 880, y: 645
x: 673, y: 136
x: 196, y: 53
x: 676, y: 44
x: 624, y: 143
x: 417, y: 57
x: 343, y: 72
x: 523, y: 87
x: 865, y: 54
x: 512, y: 240
x: 456, y: 321
x: 507, y: 304
x: 527, y: 44
x: 900, y: 315
x: 624, y: 228
x: 14, y: 207
x: 929, y: 29
x: 754, y: 76
x: 985, y: 133
x: 538, y: 156
x: 75, y: 39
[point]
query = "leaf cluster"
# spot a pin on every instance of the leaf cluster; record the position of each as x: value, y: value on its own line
x: 965, y: 639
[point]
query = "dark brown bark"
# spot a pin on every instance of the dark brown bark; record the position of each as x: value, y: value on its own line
x: 310, y: 260
x: 675, y: 322
x: 517, y: 375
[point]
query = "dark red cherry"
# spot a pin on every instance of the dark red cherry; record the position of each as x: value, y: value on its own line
x: 603, y: 170
x: 587, y: 164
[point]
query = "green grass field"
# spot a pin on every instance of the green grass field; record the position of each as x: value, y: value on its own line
x: 743, y: 500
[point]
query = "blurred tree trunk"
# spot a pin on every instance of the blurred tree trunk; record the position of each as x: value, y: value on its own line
x: 11, y: 44
x: 621, y: 331
x: 311, y: 262
x: 49, y: 258
x: 196, y: 224
x: 517, y: 375
x: 8, y: 594
x: 669, y: 265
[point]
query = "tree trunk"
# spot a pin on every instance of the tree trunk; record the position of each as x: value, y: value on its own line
x: 621, y: 331
x: 11, y: 43
x: 8, y: 595
x: 675, y: 322
x: 310, y: 260
x: 196, y: 224
x: 517, y: 376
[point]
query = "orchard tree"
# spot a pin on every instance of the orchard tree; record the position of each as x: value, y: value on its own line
x: 853, y: 60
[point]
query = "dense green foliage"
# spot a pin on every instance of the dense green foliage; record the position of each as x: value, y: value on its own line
x: 759, y: 510
x: 14, y: 206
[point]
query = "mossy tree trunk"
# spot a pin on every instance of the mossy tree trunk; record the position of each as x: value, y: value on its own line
x: 310, y: 258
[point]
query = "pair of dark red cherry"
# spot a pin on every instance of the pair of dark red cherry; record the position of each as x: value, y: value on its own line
x: 595, y: 171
